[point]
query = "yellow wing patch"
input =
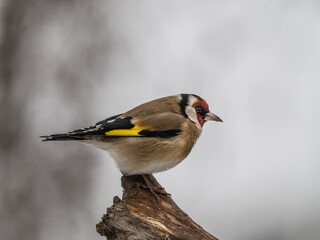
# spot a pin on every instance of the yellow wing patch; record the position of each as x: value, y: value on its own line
x: 126, y: 132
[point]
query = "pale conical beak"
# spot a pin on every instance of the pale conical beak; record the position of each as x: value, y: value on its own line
x: 212, y: 117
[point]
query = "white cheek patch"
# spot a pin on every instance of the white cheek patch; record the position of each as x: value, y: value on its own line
x: 191, y: 112
x: 192, y: 115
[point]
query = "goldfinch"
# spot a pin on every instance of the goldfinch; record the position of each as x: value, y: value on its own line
x: 151, y: 137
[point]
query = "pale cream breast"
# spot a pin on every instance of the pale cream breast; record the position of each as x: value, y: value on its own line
x: 137, y: 155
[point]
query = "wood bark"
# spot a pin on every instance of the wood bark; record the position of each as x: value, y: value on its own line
x: 139, y: 215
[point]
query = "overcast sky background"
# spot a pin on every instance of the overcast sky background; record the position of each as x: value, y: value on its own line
x: 73, y: 63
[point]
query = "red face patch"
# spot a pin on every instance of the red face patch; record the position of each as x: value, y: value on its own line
x: 202, y: 108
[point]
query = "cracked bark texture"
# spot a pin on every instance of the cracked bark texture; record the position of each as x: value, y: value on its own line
x: 139, y: 215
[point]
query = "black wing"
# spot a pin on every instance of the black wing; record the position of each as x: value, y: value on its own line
x: 122, y: 126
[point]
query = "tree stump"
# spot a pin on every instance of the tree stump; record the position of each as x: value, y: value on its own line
x: 139, y: 215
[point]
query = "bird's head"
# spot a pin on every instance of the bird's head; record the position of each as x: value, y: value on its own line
x: 196, y: 109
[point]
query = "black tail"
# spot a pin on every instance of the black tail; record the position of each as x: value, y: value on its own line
x: 62, y: 137
x: 78, y: 135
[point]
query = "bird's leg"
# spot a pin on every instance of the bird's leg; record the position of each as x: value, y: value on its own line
x: 150, y: 186
x: 157, y: 186
x: 154, y: 186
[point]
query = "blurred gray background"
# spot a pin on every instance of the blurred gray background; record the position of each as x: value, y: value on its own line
x: 69, y: 64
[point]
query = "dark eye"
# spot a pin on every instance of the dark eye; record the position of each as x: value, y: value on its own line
x: 200, y: 111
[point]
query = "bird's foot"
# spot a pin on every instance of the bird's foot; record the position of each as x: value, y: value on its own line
x: 154, y: 188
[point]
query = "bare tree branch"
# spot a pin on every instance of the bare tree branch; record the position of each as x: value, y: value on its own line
x: 139, y: 215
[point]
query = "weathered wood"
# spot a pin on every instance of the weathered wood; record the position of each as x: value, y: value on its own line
x: 139, y: 215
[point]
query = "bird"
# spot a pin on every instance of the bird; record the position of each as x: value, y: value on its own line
x: 150, y: 138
